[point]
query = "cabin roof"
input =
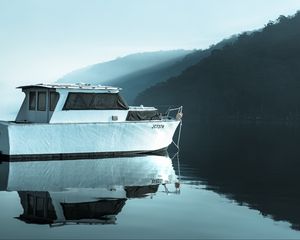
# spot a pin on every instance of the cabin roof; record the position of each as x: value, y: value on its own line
x: 83, y: 86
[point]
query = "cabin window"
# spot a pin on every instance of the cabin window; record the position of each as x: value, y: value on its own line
x: 143, y: 115
x: 41, y: 101
x: 39, y: 207
x: 94, y: 101
x: 53, y: 100
x: 32, y: 100
x: 50, y: 210
x: 30, y: 206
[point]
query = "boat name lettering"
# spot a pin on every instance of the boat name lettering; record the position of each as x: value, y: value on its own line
x: 157, y: 181
x: 158, y: 126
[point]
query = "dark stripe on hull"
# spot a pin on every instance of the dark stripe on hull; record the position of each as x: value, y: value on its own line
x: 73, y: 156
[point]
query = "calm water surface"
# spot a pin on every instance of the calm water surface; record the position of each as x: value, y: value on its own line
x: 236, y: 181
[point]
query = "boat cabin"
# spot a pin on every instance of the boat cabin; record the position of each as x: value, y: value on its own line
x: 48, y: 208
x: 78, y: 103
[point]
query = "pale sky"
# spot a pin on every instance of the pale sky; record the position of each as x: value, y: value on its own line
x: 41, y: 40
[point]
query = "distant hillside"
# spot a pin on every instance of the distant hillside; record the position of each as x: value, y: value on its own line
x: 257, y: 76
x: 108, y: 71
x: 137, y: 72
x: 111, y: 72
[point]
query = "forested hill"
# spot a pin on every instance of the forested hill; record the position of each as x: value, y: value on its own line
x: 138, y: 81
x: 256, y: 76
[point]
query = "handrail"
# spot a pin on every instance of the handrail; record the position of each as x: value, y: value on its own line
x: 85, y: 221
x: 179, y: 113
x: 178, y: 116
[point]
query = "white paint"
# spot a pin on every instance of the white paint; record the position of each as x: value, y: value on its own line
x: 35, y: 116
x: 86, y: 137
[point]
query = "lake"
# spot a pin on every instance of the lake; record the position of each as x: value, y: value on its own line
x: 230, y: 180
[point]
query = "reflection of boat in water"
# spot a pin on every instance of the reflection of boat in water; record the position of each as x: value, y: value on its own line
x: 83, y: 191
x: 80, y: 120
x: 65, y: 207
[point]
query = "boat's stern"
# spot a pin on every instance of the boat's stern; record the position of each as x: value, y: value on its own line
x: 4, y: 174
x: 4, y: 138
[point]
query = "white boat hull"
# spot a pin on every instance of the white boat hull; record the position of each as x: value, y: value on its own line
x: 85, y: 138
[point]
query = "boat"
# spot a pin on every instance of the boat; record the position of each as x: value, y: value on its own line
x: 52, y: 194
x: 59, y: 121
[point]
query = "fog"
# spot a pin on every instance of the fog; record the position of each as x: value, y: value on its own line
x: 40, y: 41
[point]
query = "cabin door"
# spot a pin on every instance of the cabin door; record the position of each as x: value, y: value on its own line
x: 42, y: 110
x: 41, y: 104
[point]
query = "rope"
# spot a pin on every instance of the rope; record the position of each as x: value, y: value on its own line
x: 177, y: 184
x: 176, y: 144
